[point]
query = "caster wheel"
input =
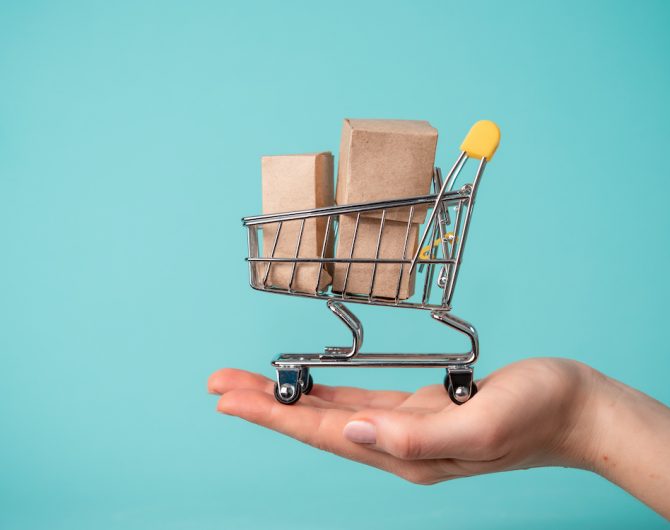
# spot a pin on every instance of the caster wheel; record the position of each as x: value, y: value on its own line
x: 287, y: 394
x: 307, y: 388
x: 458, y: 395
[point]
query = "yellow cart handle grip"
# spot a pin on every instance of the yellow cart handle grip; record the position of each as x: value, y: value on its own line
x: 482, y: 140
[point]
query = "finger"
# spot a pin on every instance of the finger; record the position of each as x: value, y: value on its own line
x: 322, y: 429
x: 228, y: 379
x: 409, y: 435
x: 318, y: 427
x: 429, y: 398
x: 350, y: 396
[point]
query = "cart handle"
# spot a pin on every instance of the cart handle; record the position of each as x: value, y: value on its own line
x: 482, y: 140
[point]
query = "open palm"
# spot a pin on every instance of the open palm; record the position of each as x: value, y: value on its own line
x: 524, y: 415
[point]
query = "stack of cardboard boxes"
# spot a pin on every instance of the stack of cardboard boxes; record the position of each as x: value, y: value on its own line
x: 297, y: 182
x: 379, y: 160
x: 382, y: 160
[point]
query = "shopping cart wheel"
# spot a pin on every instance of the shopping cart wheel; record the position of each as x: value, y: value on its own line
x: 307, y: 386
x: 287, y: 394
x: 457, y: 386
x: 290, y: 384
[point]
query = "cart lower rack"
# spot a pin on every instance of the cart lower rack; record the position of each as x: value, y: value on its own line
x: 439, y: 249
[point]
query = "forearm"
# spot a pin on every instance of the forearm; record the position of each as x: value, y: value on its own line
x: 630, y: 441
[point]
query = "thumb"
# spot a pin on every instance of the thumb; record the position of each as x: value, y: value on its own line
x: 410, y: 435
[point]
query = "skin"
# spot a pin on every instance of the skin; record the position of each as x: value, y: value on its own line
x: 533, y: 413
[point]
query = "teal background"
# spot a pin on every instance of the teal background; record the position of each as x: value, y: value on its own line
x: 130, y: 137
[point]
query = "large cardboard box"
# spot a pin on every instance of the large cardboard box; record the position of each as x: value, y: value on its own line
x: 386, y: 277
x: 297, y: 182
x: 386, y: 159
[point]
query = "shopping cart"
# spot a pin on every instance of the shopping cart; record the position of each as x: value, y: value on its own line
x: 440, y: 246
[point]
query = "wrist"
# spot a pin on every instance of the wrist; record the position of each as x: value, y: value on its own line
x: 589, y: 418
x: 624, y: 436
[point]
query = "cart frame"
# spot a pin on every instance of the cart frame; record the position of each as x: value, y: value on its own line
x: 444, y: 251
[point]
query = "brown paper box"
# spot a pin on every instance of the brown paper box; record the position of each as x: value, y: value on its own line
x: 296, y: 182
x: 386, y: 159
x: 391, y: 247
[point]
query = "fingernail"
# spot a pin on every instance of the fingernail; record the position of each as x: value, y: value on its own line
x: 361, y: 432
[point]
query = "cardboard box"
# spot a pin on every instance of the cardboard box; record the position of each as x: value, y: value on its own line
x: 297, y: 182
x: 391, y: 247
x: 386, y: 159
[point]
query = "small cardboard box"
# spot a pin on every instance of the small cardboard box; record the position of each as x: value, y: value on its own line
x: 386, y: 159
x: 359, y: 279
x: 296, y: 182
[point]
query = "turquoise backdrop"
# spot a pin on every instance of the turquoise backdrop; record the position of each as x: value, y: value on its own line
x: 130, y: 138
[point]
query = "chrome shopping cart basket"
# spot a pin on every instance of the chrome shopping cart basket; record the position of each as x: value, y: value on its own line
x: 415, y: 259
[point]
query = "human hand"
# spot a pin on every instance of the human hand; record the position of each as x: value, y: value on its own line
x: 536, y: 412
x: 525, y: 415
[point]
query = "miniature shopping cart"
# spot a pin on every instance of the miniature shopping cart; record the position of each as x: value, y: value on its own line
x: 438, y: 250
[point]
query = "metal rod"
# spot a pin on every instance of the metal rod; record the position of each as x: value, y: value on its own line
x: 252, y: 245
x: 374, y: 360
x: 355, y: 326
x: 443, y: 215
x: 462, y: 326
x: 323, y: 253
x: 297, y: 253
x: 428, y: 278
x: 453, y: 175
x: 404, y: 253
x: 466, y: 225
x: 452, y: 252
x: 272, y: 254
x: 358, y: 299
x: 390, y: 261
x: 379, y: 242
x: 448, y: 198
x: 456, y: 168
x: 351, y: 254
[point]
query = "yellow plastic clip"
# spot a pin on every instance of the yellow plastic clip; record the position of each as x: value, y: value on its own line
x: 425, y: 251
x: 482, y: 140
